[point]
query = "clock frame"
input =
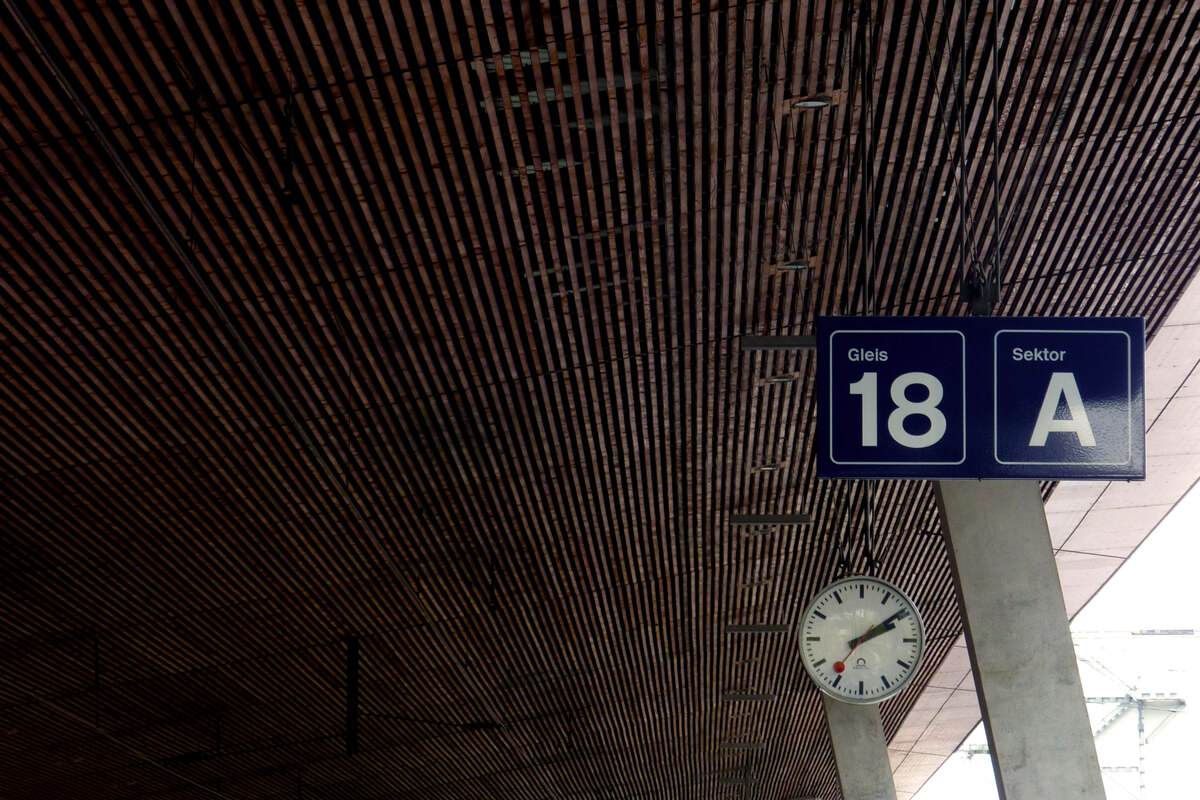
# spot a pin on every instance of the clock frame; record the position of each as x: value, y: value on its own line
x: 862, y: 640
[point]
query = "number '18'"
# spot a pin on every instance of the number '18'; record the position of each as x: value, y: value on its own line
x: 867, y: 387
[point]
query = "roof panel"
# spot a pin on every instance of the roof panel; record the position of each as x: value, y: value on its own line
x: 419, y: 325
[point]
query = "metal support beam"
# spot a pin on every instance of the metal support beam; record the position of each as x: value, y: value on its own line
x: 860, y: 750
x: 351, y: 696
x: 1019, y: 640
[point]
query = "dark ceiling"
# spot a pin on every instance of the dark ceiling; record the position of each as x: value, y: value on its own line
x: 413, y: 331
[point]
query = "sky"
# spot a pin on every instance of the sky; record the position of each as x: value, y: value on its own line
x: 1154, y: 590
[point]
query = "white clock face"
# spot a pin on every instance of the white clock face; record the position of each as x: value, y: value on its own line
x: 861, y: 640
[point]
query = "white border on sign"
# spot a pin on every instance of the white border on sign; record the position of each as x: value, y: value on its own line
x: 1128, y: 401
x: 963, y: 343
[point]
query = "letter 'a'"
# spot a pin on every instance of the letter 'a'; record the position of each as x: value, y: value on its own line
x: 1062, y: 386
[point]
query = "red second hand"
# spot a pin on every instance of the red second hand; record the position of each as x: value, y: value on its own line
x: 840, y: 666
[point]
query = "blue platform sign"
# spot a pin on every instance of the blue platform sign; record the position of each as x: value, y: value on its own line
x: 981, y: 397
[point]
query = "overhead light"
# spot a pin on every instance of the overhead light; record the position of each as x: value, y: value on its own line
x: 775, y: 380
x: 757, y: 520
x: 806, y: 264
x: 480, y: 726
x: 757, y: 628
x: 752, y: 532
x: 769, y: 467
x: 813, y: 101
x: 741, y: 745
x: 742, y: 777
x: 737, y: 779
x: 747, y: 697
x: 755, y: 584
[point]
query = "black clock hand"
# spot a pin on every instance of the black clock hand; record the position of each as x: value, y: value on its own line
x: 879, y: 629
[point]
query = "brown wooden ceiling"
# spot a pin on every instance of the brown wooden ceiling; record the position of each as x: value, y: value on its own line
x: 418, y: 326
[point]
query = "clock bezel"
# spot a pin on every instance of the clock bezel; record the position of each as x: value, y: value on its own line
x: 897, y: 686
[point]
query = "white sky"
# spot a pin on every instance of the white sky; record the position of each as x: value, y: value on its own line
x: 1157, y: 588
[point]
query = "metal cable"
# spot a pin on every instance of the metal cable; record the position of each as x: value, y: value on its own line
x: 956, y: 175
x: 872, y: 252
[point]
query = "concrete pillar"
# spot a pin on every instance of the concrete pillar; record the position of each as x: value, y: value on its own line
x: 1019, y: 640
x: 860, y: 750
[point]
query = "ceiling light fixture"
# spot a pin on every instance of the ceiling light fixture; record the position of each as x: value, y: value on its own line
x: 755, y: 584
x: 769, y: 467
x: 734, y: 779
x: 778, y: 379
x: 805, y: 264
x: 747, y: 697
x: 758, y: 520
x: 813, y: 101
x: 471, y: 726
x: 741, y: 745
x: 755, y: 532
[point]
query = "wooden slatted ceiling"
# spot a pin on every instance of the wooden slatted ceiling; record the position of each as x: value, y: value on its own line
x: 419, y: 324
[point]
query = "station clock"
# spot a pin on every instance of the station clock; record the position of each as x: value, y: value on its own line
x: 861, y: 640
